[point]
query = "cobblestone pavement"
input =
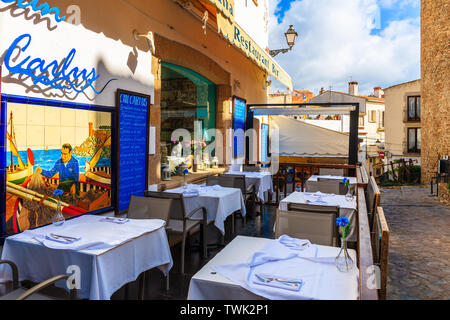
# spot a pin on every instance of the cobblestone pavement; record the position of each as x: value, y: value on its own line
x: 419, y: 246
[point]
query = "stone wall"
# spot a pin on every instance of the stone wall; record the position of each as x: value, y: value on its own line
x: 435, y: 63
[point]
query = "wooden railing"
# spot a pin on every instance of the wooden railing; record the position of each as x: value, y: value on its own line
x: 365, y: 257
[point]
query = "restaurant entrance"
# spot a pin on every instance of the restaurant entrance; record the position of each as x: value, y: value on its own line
x: 186, y: 98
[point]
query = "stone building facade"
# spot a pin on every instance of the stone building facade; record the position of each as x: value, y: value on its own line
x: 435, y: 63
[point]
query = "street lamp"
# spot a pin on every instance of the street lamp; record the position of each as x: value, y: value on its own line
x: 291, y: 37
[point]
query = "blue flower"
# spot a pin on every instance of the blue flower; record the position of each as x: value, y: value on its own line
x: 344, y: 180
x: 58, y: 193
x: 186, y: 171
x: 342, y: 221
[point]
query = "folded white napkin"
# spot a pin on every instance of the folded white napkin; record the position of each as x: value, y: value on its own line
x: 62, y: 238
x: 278, y: 282
x: 191, y: 193
x: 115, y: 220
x: 294, y: 244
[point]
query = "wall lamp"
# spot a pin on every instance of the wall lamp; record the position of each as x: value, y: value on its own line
x: 291, y: 37
x: 149, y: 37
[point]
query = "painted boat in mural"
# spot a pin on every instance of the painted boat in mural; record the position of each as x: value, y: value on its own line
x: 98, y: 176
x: 17, y: 174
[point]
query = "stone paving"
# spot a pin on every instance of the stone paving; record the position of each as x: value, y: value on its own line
x: 419, y: 248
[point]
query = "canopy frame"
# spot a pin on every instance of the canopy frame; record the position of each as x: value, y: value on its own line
x: 281, y: 109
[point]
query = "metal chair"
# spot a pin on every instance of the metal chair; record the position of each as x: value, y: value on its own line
x: 34, y: 293
x: 342, y: 188
x: 331, y: 172
x: 380, y: 245
x: 314, y: 223
x: 181, y: 221
x: 248, y: 168
x: 331, y: 187
x: 150, y: 208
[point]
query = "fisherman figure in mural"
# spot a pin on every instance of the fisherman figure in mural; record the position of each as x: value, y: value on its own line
x: 68, y: 170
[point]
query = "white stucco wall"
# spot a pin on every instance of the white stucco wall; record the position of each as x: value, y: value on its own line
x: 254, y: 20
x: 110, y: 58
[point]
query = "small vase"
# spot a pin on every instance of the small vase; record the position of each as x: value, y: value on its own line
x: 349, y: 195
x: 184, y: 181
x: 344, y: 262
x: 58, y: 219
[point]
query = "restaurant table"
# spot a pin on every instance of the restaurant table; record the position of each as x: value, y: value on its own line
x: 261, y: 180
x: 220, y: 202
x: 208, y: 284
x: 346, y: 208
x: 108, y: 255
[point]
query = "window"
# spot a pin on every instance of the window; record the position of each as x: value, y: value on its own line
x: 381, y: 120
x: 361, y: 121
x: 414, y: 140
x: 414, y: 108
x: 373, y: 116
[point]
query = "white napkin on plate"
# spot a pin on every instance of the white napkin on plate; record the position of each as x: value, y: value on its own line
x: 278, y: 282
x: 294, y: 244
x: 62, y: 238
x: 115, y: 220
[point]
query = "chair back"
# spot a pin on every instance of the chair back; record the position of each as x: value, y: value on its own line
x: 228, y: 180
x: 314, y: 223
x: 342, y: 189
x: 236, y: 168
x: 149, y: 208
x: 239, y: 183
x: 175, y: 201
x: 248, y: 168
x: 380, y: 245
x: 324, y: 186
x: 331, y: 172
x: 373, y: 196
x: 212, y: 180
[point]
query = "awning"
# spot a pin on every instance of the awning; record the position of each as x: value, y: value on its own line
x: 240, y: 39
x: 301, y: 139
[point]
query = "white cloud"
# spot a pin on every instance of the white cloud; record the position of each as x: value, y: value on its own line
x: 335, y: 44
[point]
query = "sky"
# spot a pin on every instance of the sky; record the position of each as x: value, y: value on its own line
x: 374, y: 42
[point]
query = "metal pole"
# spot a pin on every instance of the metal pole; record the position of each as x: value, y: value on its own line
x: 353, y: 143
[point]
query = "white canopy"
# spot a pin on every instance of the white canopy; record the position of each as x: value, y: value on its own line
x: 301, y: 139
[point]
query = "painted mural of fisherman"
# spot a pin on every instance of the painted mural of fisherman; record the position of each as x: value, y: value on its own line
x: 68, y: 169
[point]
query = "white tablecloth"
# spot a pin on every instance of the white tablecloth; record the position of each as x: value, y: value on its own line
x: 346, y: 208
x: 125, y: 252
x: 329, y: 283
x: 262, y: 180
x: 219, y: 202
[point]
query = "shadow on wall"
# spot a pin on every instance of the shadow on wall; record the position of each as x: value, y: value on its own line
x: 29, y: 15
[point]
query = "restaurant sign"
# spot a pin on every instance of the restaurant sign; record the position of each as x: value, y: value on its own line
x: 43, y: 8
x: 237, y: 36
x: 224, y: 6
x: 58, y: 75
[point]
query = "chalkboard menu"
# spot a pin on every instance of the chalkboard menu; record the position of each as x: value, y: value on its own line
x: 133, y: 123
x: 265, y: 143
x: 239, y: 114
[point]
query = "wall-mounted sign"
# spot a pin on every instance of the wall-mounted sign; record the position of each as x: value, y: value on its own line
x: 239, y: 117
x: 58, y: 75
x: 237, y: 36
x: 133, y: 118
x: 265, y: 143
x: 43, y: 8
x: 225, y: 6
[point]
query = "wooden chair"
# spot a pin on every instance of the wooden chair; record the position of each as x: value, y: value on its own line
x: 380, y: 245
x: 314, y: 223
x: 180, y: 220
x: 373, y: 196
x: 34, y: 293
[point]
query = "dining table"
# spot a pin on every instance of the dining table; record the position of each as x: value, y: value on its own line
x: 347, y: 206
x: 315, y: 178
x: 104, y: 253
x: 219, y: 202
x: 262, y: 181
x: 251, y: 268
